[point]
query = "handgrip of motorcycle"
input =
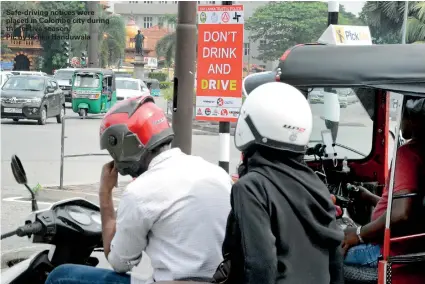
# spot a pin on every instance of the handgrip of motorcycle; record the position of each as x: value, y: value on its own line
x: 26, y: 230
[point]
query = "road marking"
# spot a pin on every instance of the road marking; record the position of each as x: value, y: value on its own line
x: 16, y: 199
x: 78, y: 193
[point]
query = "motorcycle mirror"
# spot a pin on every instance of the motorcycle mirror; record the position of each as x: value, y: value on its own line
x: 332, y: 111
x: 18, y: 170
x: 21, y: 178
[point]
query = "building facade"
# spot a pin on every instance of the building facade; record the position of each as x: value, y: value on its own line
x: 148, y: 14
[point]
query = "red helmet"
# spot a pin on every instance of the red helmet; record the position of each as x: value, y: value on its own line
x: 132, y: 128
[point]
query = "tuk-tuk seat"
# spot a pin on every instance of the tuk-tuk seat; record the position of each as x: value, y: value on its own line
x: 360, y: 275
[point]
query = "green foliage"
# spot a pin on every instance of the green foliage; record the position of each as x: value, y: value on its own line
x: 166, y: 46
x: 385, y: 20
x: 285, y: 24
x: 167, y: 94
x: 5, y: 49
x: 161, y: 77
x: 165, y: 85
x: 111, y: 39
x: 111, y: 47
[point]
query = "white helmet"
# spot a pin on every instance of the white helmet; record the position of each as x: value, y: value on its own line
x: 275, y: 115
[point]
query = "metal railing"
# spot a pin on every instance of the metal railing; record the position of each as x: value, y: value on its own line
x: 63, y: 156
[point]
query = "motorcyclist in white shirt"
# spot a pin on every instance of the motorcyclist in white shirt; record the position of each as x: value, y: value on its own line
x: 175, y: 210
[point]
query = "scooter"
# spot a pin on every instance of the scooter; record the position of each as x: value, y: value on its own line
x: 72, y: 227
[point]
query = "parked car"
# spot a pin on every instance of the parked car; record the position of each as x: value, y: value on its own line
x: 4, y: 76
x: 32, y: 97
x: 130, y: 87
x: 29, y: 73
x: 64, y: 79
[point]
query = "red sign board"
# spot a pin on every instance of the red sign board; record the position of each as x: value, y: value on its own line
x: 220, y: 62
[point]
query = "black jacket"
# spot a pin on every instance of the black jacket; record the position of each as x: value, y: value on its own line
x: 282, y: 226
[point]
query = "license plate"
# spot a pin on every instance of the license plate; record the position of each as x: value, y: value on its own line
x: 12, y: 110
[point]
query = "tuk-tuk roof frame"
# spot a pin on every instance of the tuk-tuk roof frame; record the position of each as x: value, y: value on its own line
x: 396, y: 67
x: 95, y: 70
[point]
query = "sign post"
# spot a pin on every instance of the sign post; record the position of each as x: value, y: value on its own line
x: 220, y: 69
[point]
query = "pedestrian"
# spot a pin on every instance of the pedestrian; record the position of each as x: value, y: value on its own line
x: 175, y: 210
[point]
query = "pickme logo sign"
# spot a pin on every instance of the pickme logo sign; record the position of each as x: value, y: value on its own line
x: 220, y: 60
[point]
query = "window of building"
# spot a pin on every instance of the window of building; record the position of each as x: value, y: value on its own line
x: 163, y: 2
x: 263, y: 42
x: 147, y: 22
x: 211, y: 2
x: 134, y: 2
x: 148, y: 2
x: 246, y: 48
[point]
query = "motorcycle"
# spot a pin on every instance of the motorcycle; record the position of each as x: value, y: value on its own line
x: 72, y: 227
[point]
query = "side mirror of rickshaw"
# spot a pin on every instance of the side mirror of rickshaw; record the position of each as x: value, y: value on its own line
x: 332, y: 111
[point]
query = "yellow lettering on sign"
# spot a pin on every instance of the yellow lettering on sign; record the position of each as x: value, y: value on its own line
x: 218, y: 85
x: 204, y: 84
x: 363, y: 36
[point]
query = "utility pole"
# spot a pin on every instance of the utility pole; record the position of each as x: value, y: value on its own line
x: 331, y: 99
x: 184, y: 75
x: 224, y: 130
x: 333, y: 10
x: 406, y: 14
x: 93, y: 50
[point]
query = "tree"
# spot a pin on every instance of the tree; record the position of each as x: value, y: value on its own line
x: 385, y: 19
x: 5, y: 49
x: 166, y: 46
x: 416, y: 23
x: 285, y: 24
x: 111, y: 37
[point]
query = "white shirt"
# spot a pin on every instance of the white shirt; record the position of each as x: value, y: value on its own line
x: 176, y: 212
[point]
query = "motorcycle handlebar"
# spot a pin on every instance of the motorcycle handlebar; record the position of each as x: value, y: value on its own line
x: 8, y: 234
x: 29, y: 229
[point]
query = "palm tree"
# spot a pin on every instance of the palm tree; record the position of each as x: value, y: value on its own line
x: 387, y: 16
x: 416, y: 23
x: 166, y: 46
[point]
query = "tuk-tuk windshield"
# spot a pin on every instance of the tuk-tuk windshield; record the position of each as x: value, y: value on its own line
x: 87, y: 80
x: 355, y: 128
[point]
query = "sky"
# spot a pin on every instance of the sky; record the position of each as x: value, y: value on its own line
x: 354, y: 7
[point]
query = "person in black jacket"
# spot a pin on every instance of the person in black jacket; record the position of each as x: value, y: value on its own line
x: 282, y: 226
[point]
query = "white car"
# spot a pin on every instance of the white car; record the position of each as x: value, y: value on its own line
x: 4, y: 76
x: 29, y: 73
x: 130, y: 88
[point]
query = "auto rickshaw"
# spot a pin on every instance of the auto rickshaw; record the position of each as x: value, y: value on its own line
x: 93, y: 91
x: 364, y: 145
x: 153, y: 86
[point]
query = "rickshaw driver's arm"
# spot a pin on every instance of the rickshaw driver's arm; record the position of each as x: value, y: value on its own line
x: 406, y: 180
